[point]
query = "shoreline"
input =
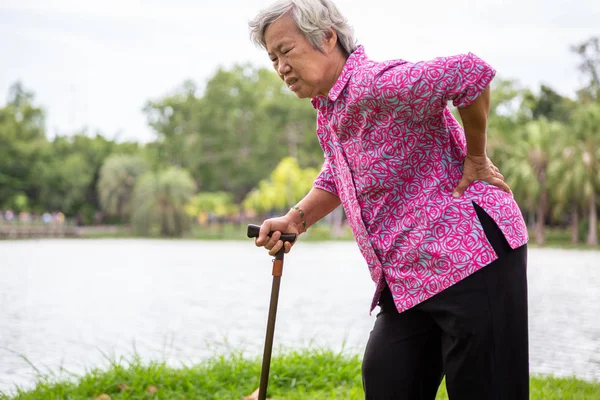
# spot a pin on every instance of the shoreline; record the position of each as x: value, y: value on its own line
x: 319, y: 237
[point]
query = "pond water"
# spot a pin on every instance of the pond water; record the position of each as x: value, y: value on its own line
x: 71, y: 303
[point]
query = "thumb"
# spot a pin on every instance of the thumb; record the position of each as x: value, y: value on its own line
x: 461, y: 187
x: 263, y: 233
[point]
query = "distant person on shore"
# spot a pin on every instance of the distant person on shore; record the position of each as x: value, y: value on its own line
x: 9, y: 215
x: 443, y: 237
x: 46, y: 217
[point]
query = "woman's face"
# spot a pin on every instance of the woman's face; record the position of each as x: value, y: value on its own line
x: 304, y: 69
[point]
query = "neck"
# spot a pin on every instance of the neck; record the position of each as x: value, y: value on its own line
x: 336, y: 68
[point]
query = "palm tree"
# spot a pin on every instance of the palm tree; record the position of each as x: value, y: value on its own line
x: 159, y: 202
x: 568, y: 179
x: 118, y: 176
x: 526, y: 168
x: 586, y: 131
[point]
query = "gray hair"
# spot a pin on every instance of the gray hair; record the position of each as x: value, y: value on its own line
x: 314, y: 18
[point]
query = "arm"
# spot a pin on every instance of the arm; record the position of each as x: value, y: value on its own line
x: 320, y: 201
x: 316, y: 205
x: 474, y: 118
x: 477, y: 165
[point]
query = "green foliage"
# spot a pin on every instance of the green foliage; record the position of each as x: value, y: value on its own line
x: 159, y: 201
x: 234, y: 134
x: 22, y: 141
x: 68, y: 175
x: 549, y: 105
x: 218, y: 203
x: 589, y: 52
x: 18, y: 202
x: 309, y: 374
x: 118, y: 177
x: 287, y: 185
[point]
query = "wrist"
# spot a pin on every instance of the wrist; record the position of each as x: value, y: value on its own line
x: 477, y: 155
x: 297, y: 216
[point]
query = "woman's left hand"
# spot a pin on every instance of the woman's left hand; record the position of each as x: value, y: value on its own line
x: 479, y: 168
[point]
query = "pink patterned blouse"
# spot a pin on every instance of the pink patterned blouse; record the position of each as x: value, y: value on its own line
x: 393, y: 155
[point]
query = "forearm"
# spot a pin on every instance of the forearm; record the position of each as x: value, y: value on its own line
x: 474, y: 118
x: 315, y: 205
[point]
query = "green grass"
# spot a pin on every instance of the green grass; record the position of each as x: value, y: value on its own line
x: 228, y: 231
x: 561, y: 238
x: 295, y: 375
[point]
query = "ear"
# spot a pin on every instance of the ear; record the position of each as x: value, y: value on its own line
x: 330, y: 40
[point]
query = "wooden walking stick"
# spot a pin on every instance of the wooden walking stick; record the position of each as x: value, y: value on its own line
x: 277, y: 272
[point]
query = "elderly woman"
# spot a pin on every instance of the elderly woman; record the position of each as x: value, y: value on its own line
x: 443, y: 237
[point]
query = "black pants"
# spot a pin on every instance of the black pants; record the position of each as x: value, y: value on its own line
x: 475, y: 333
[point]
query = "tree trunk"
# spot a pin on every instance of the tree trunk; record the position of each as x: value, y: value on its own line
x: 539, y: 226
x: 575, y: 224
x: 592, y: 239
x: 541, y: 211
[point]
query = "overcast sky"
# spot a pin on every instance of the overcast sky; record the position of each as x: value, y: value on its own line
x: 94, y: 63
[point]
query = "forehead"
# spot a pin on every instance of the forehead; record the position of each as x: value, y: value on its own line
x: 281, y: 31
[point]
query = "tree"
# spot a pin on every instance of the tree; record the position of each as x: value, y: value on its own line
x: 175, y: 119
x: 118, y: 177
x: 288, y: 183
x: 234, y: 134
x: 159, y: 203
x: 22, y: 143
x: 63, y: 182
x: 586, y: 128
x: 567, y: 182
x: 527, y: 168
x: 220, y: 204
x: 549, y: 104
x: 589, y: 51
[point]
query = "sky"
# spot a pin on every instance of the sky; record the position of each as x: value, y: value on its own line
x: 94, y: 64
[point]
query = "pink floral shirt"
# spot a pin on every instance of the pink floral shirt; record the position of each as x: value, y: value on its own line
x: 393, y: 155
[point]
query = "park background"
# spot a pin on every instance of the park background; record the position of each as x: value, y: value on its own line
x: 130, y: 124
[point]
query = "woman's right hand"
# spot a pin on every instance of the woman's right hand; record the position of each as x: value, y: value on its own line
x: 278, y: 226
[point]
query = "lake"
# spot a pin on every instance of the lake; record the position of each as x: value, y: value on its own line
x: 71, y: 303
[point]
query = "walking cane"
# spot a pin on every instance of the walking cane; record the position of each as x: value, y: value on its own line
x: 277, y: 272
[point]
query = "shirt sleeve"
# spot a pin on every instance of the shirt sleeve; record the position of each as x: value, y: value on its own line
x: 325, y: 179
x: 423, y: 89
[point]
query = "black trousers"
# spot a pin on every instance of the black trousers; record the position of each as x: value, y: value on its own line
x: 475, y: 333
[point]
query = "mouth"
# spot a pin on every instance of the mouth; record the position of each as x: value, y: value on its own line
x: 292, y: 83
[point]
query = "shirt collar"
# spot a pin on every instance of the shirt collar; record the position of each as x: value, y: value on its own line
x: 354, y: 60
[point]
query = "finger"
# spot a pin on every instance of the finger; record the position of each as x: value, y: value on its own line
x: 276, y: 248
x: 288, y: 247
x: 273, y: 240
x: 263, y: 233
x: 461, y: 187
x: 499, y: 183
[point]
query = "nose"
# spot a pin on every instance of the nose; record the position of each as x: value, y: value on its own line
x: 283, y: 68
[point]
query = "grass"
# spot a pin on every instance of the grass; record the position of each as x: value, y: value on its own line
x: 227, y: 231
x: 561, y: 238
x: 295, y: 375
